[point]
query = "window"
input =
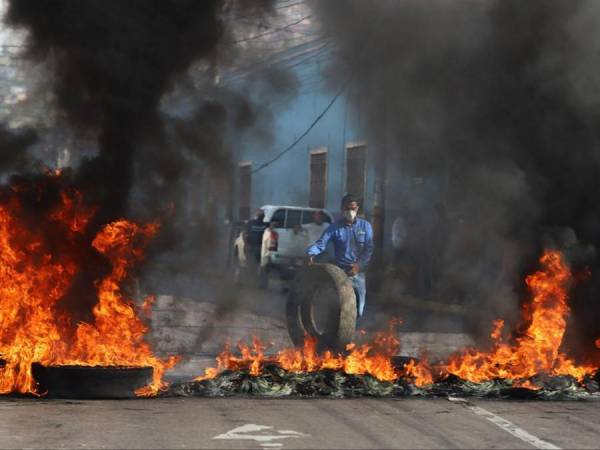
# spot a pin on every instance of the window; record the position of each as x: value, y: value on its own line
x: 318, y: 178
x: 287, y: 218
x: 279, y: 217
x: 293, y: 218
x: 356, y: 165
x: 245, y: 185
x: 308, y: 217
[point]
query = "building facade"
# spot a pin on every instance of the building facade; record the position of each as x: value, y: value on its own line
x: 332, y: 159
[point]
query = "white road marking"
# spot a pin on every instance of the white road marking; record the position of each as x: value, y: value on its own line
x: 506, y: 425
x: 262, y: 434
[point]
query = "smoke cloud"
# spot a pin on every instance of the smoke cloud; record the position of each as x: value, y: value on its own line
x: 141, y: 77
x: 495, y: 104
x: 113, y: 61
x: 14, y: 148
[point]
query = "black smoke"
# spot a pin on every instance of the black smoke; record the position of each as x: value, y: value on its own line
x: 110, y: 65
x: 113, y: 61
x: 497, y: 102
x: 14, y: 149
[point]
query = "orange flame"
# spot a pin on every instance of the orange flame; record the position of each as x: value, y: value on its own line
x: 116, y: 338
x: 420, y: 372
x: 35, y: 276
x: 373, y: 358
x: 73, y: 212
x: 537, y: 351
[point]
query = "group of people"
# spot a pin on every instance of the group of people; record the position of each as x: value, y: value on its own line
x: 351, y: 237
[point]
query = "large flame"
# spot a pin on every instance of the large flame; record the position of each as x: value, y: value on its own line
x: 37, y: 267
x: 538, y: 350
x: 373, y: 358
x: 38, y: 263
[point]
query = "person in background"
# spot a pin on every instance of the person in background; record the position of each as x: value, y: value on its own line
x: 316, y: 228
x: 402, y: 270
x: 253, y: 237
x: 399, y: 236
x: 352, y: 238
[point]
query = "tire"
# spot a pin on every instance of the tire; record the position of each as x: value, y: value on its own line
x: 294, y: 317
x: 322, y: 304
x: 87, y: 382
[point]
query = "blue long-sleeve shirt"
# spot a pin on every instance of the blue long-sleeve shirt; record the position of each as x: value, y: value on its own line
x: 352, y: 243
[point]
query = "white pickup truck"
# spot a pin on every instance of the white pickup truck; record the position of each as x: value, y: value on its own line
x: 291, y: 230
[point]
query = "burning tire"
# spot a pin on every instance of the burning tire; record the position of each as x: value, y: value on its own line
x: 322, y: 304
x: 89, y: 382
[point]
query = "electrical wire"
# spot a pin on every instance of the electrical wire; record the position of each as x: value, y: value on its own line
x: 289, y: 5
x: 276, y: 30
x: 327, y: 108
x: 308, y: 130
x: 282, y: 57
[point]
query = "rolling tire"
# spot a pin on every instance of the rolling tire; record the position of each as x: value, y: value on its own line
x: 322, y: 304
x: 294, y: 317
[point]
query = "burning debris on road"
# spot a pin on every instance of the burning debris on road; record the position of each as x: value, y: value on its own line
x: 531, y: 367
x: 277, y: 382
x: 37, y: 269
x: 66, y: 250
x: 43, y: 237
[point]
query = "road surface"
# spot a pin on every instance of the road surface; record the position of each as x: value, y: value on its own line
x: 313, y: 423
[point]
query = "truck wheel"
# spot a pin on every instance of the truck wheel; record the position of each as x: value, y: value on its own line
x: 322, y: 304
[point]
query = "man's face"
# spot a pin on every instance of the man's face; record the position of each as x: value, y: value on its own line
x: 349, y: 211
x: 350, y: 206
x: 318, y: 218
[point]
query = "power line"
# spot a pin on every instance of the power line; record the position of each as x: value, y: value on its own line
x: 327, y: 108
x: 289, y: 5
x: 276, y: 30
x: 281, y: 57
x: 312, y: 125
x: 318, y: 53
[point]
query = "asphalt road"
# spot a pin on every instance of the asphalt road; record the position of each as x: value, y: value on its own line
x: 318, y: 423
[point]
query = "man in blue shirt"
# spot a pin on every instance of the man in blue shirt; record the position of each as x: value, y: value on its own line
x: 353, y: 245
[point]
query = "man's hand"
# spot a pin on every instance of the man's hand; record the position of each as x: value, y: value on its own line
x: 355, y: 268
x: 310, y: 261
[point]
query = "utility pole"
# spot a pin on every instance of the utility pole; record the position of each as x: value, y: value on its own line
x: 378, y: 216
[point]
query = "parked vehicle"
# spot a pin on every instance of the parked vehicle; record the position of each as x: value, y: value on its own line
x: 284, y: 242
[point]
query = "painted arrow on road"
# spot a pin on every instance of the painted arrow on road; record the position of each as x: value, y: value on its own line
x: 263, y: 434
